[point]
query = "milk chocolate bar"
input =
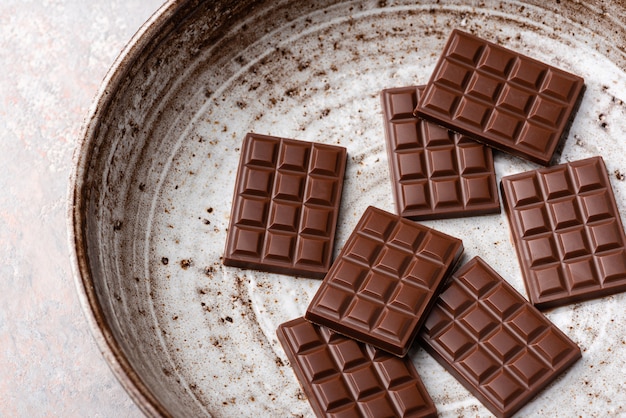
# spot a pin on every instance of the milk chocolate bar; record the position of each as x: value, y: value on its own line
x: 499, y: 346
x: 384, y: 281
x: 567, y: 232
x: 285, y: 206
x: 501, y: 98
x: 435, y: 172
x: 345, y: 378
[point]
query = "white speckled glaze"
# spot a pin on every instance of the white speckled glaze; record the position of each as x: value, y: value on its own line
x: 151, y: 191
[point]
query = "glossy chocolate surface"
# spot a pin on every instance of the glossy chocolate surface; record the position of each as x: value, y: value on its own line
x: 384, y: 281
x: 501, y: 98
x: 435, y: 172
x: 285, y: 206
x: 345, y: 378
x: 499, y: 346
x: 567, y: 232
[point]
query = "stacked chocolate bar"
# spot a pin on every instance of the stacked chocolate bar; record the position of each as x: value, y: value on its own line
x: 396, y: 280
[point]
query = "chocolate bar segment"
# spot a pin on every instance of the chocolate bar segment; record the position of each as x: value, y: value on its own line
x: 285, y: 206
x: 435, y: 172
x: 499, y: 346
x: 501, y: 98
x: 345, y: 378
x: 567, y: 232
x: 384, y: 281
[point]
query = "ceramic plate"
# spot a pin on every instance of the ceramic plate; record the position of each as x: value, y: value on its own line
x: 152, y: 188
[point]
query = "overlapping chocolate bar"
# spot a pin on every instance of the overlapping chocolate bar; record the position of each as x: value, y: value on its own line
x: 501, y: 98
x: 499, y: 346
x: 435, y: 173
x: 384, y: 281
x: 345, y: 378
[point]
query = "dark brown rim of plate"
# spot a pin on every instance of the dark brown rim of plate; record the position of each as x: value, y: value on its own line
x: 150, y: 33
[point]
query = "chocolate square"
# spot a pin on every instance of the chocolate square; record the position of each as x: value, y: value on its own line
x: 285, y: 206
x: 567, y: 232
x: 384, y: 281
x: 435, y: 173
x: 343, y: 377
x: 499, y: 346
x: 501, y: 98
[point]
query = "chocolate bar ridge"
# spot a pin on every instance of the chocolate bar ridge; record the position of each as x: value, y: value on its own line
x: 285, y: 206
x: 342, y: 377
x: 435, y: 173
x: 567, y: 232
x: 499, y: 346
x: 501, y: 98
x: 384, y: 281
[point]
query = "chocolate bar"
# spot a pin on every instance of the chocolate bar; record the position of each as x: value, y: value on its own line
x: 435, y: 172
x: 384, y: 281
x: 499, y: 346
x: 342, y: 377
x: 567, y: 232
x: 285, y: 206
x: 501, y: 98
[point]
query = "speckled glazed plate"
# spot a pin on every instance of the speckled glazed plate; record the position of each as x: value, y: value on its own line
x: 151, y: 191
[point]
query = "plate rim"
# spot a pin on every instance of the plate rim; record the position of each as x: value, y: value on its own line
x: 110, y: 349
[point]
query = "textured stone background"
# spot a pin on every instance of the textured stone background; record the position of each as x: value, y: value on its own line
x: 53, y: 56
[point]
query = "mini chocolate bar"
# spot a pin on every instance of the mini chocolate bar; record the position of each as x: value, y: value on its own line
x: 384, y: 281
x: 285, y: 206
x: 435, y: 173
x: 501, y: 98
x: 567, y: 232
x: 345, y: 378
x: 499, y: 346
